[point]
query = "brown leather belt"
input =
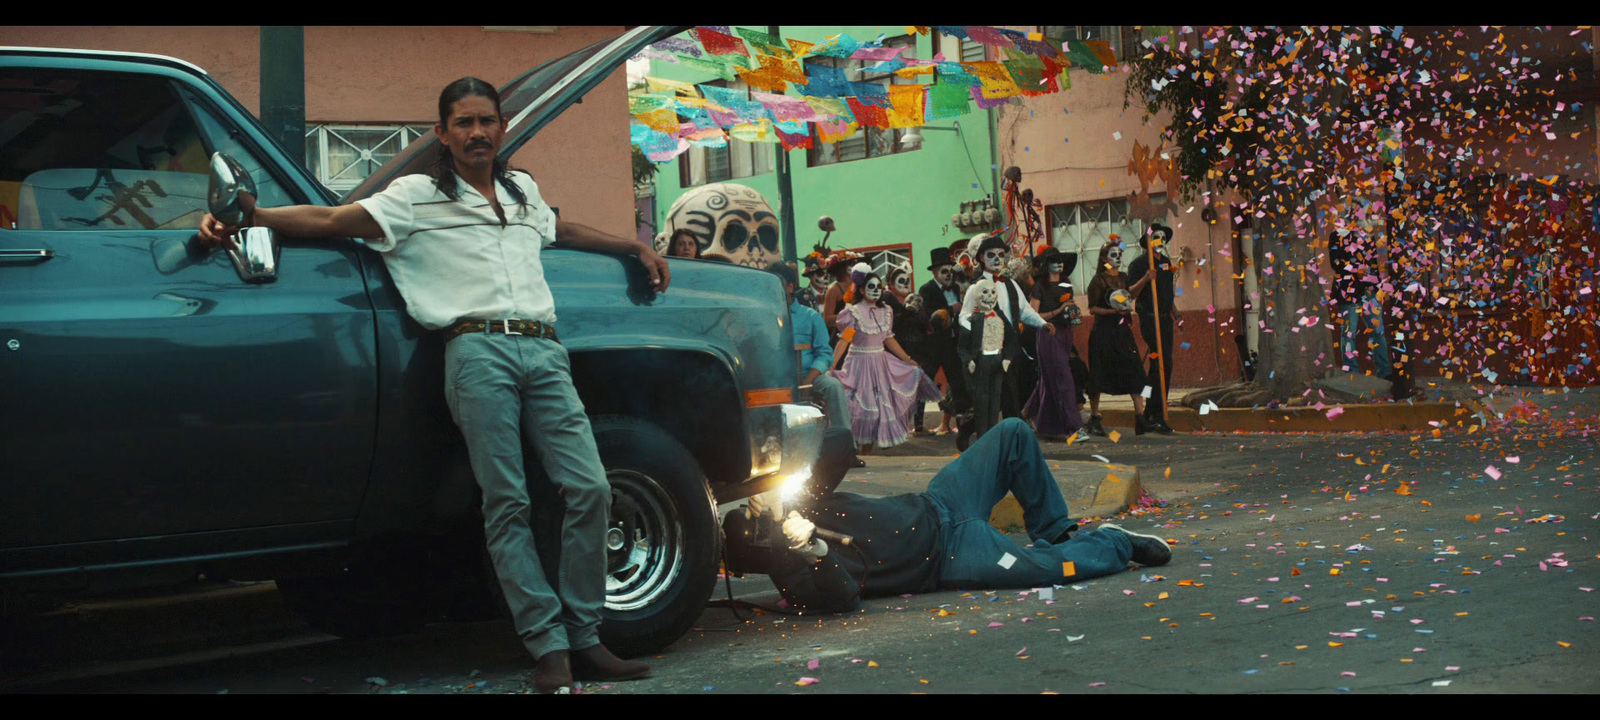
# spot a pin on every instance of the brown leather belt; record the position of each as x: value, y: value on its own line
x: 509, y: 327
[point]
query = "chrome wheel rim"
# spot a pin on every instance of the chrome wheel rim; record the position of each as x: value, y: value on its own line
x: 644, y: 542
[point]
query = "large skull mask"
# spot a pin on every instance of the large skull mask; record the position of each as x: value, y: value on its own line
x: 729, y: 220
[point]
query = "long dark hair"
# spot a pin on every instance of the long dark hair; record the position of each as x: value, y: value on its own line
x: 443, y: 170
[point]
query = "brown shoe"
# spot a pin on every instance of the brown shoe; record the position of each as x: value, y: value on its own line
x: 554, y: 673
x: 597, y: 663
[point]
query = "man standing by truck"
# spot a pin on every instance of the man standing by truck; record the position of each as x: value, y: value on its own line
x: 468, y: 265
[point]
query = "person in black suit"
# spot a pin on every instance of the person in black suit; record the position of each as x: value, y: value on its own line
x: 941, y: 300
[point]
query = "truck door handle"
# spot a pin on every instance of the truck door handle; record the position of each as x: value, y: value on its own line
x: 25, y: 255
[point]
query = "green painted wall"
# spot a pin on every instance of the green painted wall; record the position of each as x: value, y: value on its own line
x: 906, y: 197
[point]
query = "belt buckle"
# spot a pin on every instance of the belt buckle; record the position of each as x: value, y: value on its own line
x: 506, y: 326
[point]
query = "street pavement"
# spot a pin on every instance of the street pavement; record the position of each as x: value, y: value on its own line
x: 1361, y: 562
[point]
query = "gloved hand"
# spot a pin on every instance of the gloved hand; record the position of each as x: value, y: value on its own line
x: 798, y: 529
x: 757, y: 507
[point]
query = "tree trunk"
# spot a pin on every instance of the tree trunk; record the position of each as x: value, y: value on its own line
x: 1296, y: 345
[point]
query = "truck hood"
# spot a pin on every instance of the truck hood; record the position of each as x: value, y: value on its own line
x: 531, y: 101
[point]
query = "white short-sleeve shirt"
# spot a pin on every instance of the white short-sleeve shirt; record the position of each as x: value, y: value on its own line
x: 453, y: 260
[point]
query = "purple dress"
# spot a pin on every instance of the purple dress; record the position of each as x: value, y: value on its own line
x: 883, y: 389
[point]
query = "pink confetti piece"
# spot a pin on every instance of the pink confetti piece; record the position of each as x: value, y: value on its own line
x: 1248, y: 600
x: 1335, y: 412
x: 1022, y: 652
x: 813, y: 664
x: 1347, y: 673
x: 1097, y: 684
x: 1514, y: 459
x: 996, y: 624
x: 1452, y: 668
x: 1492, y: 472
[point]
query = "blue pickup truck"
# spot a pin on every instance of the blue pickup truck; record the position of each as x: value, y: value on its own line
x: 163, y: 417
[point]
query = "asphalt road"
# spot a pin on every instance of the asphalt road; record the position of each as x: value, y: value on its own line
x: 1298, y: 567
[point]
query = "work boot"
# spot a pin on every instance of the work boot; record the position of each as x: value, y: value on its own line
x: 1095, y: 427
x: 1158, y: 424
x: 553, y: 675
x: 1148, y: 550
x: 1141, y: 425
x: 598, y: 664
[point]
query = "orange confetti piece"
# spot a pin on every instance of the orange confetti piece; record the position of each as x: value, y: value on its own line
x: 1474, y: 517
x: 1294, y: 571
x: 1115, y: 436
x: 1404, y: 489
x: 1068, y: 569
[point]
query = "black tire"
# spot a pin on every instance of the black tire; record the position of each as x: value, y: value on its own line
x: 657, y: 583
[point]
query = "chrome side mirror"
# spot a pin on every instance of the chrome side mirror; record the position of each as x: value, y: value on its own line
x: 228, y: 179
x: 255, y: 250
x: 256, y: 256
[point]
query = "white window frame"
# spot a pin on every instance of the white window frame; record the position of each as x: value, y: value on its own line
x: 323, y: 136
x: 1084, y: 227
x: 744, y: 159
x: 856, y: 146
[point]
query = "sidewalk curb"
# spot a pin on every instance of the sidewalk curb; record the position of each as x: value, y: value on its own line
x: 1107, y: 495
x: 1349, y: 418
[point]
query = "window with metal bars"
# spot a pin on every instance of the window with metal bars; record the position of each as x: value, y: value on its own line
x: 1083, y: 228
x: 342, y: 155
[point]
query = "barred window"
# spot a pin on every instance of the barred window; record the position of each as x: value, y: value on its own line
x: 1084, y: 227
x: 342, y: 155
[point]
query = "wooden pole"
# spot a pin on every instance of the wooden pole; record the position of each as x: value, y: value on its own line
x: 1155, y: 304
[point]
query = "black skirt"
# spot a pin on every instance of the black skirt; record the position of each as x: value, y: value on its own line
x: 1114, y: 363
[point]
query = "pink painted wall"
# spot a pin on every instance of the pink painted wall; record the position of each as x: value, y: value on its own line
x: 392, y: 75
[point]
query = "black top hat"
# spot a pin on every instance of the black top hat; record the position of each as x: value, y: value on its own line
x: 1164, y: 232
x: 940, y: 256
x: 992, y: 242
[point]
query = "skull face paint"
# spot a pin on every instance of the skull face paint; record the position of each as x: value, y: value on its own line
x: 1054, y: 268
x: 994, y: 259
x: 732, y: 221
x: 873, y: 289
x: 945, y: 275
x: 1115, y: 258
x: 902, y: 283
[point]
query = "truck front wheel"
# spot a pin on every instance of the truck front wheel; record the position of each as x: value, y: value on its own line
x: 663, y: 541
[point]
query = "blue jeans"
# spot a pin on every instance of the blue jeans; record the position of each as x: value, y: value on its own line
x: 964, y: 493
x: 1376, y: 339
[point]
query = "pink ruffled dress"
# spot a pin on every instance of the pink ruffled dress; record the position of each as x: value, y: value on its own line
x: 883, y: 389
